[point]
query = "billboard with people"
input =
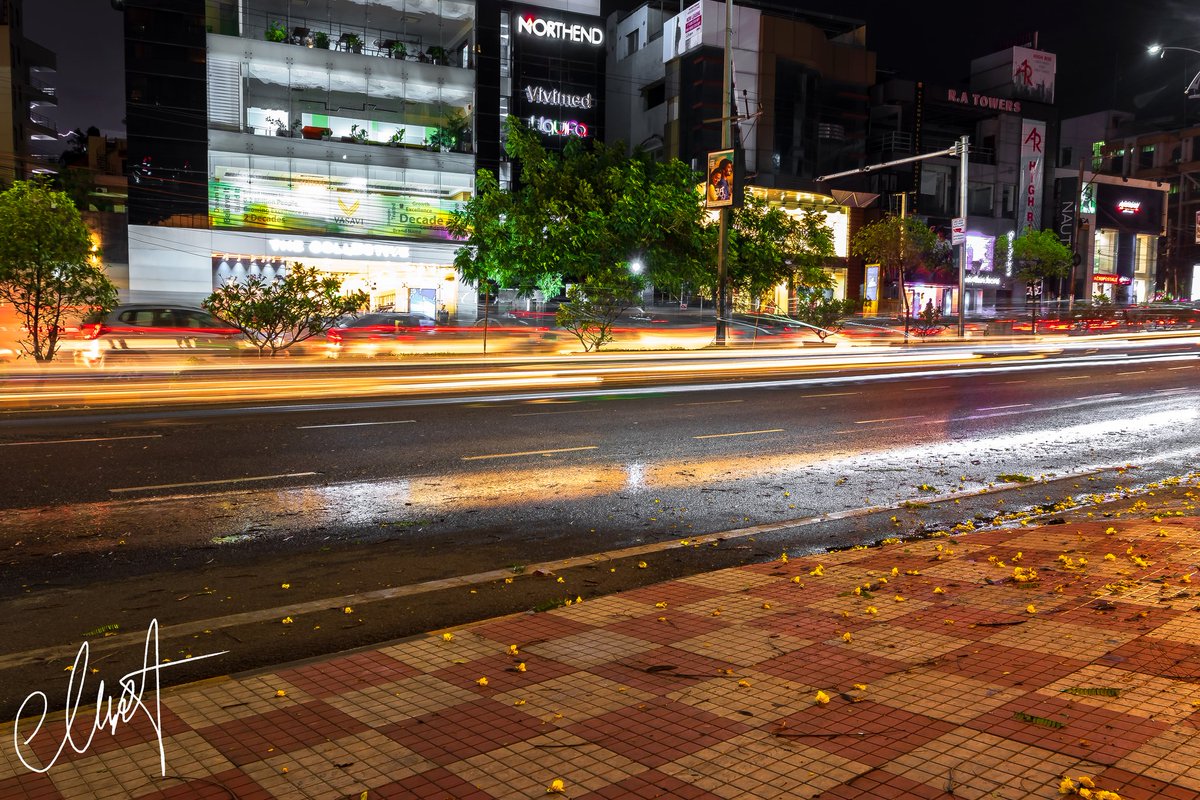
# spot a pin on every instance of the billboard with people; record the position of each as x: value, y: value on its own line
x: 719, y: 190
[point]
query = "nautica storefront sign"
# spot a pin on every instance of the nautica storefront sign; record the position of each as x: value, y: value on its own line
x: 553, y: 29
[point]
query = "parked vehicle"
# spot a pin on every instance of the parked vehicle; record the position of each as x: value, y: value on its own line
x: 143, y: 332
x: 380, y: 333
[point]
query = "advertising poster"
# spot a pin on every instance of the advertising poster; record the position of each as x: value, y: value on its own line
x: 283, y: 201
x: 719, y: 186
x: 1033, y: 75
x: 1033, y: 165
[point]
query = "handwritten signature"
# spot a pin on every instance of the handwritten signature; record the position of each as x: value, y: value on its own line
x: 111, y: 710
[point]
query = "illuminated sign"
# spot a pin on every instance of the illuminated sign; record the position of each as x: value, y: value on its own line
x: 982, y: 280
x: 1108, y: 277
x: 1129, y: 206
x: 983, y: 101
x: 338, y: 249
x: 553, y: 29
x: 301, y: 202
x: 555, y: 127
x: 553, y: 97
x: 1033, y: 136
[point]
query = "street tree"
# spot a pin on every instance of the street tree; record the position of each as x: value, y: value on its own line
x: 768, y: 246
x: 276, y: 313
x: 825, y: 314
x: 898, y: 245
x: 1038, y: 256
x: 585, y: 214
x: 49, y: 269
x: 592, y: 309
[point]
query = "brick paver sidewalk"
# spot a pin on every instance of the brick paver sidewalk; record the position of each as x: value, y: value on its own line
x: 924, y: 669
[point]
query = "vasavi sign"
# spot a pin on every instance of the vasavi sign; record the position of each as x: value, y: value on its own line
x: 531, y: 25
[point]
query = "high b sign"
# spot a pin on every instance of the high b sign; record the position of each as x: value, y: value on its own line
x: 555, y: 29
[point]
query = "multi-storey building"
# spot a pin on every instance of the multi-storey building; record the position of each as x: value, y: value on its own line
x: 336, y: 133
x: 800, y: 96
x: 27, y: 97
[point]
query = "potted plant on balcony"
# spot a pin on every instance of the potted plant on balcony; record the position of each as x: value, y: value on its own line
x: 399, y: 50
x: 280, y: 128
x: 276, y: 32
x: 353, y: 42
x: 358, y: 134
x: 397, y: 138
x: 438, y: 55
x: 321, y: 40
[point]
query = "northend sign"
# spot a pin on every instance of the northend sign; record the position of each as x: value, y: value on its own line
x: 983, y: 101
x: 553, y: 29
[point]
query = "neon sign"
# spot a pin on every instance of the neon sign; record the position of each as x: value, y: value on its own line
x: 1108, y: 277
x: 553, y: 97
x: 982, y: 280
x: 554, y: 29
x: 339, y: 249
x: 555, y: 127
x: 1129, y: 206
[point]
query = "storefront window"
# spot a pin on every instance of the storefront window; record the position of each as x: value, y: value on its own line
x: 1145, y: 255
x: 1105, y: 256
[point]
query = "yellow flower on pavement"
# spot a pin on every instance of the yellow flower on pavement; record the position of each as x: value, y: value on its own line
x: 518, y: 702
x: 285, y: 586
x: 1111, y: 531
x: 1109, y: 557
x: 1066, y: 786
x: 1084, y: 780
x: 280, y: 693
x: 938, y: 590
x: 508, y: 580
x: 716, y: 612
x: 744, y: 683
x: 559, y: 579
x: 521, y: 667
x: 858, y: 591
x: 766, y: 606
x: 847, y: 637
x: 347, y: 610
x: 287, y: 620
x: 660, y: 605
x: 641, y: 565
x: 556, y: 787
x: 512, y: 650
x: 1030, y: 609
x: 796, y: 579
x: 447, y: 637
x: 821, y: 698
x: 862, y: 687
x: 482, y: 681
x: 871, y: 611
x: 895, y: 571
x: 818, y: 571
x: 662, y: 619
x: 899, y: 599
x: 783, y: 558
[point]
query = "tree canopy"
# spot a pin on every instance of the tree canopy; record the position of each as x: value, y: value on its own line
x: 49, y: 270
x: 768, y: 246
x: 898, y: 245
x: 1037, y: 255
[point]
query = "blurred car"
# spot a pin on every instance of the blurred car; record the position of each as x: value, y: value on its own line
x: 378, y: 333
x: 143, y: 332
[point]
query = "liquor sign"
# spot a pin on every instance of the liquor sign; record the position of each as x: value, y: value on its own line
x: 1033, y: 74
x: 1033, y: 161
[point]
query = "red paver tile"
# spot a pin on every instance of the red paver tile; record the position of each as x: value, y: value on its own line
x: 809, y: 623
x: 1089, y: 732
x: 649, y: 785
x: 436, y: 784
x: 968, y: 622
x: 524, y: 629
x: 30, y: 786
x: 1008, y: 666
x: 658, y: 731
x: 1161, y: 657
x: 644, y: 671
x: 874, y: 733
x: 674, y: 593
x: 465, y: 730
x: 881, y: 785
x: 220, y: 786
x: 1132, y: 786
x: 139, y: 729
x: 288, y: 728
x: 501, y: 672
x: 680, y: 625
x: 1124, y: 617
x: 348, y: 673
x: 808, y: 591
x: 829, y: 665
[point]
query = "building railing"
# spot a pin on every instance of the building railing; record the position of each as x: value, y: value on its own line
x: 364, y: 40
x: 42, y: 85
x: 41, y: 119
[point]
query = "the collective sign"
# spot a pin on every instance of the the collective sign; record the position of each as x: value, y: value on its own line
x: 1033, y: 74
x: 1033, y: 165
x: 245, y: 198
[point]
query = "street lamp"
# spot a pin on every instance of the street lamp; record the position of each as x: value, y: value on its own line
x: 1193, y: 88
x: 636, y: 267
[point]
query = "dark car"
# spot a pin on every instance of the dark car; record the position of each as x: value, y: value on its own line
x: 142, y: 332
x: 379, y: 333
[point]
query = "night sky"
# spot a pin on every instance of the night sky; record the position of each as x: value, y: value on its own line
x: 1100, y: 46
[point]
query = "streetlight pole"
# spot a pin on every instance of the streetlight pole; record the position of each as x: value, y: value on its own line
x: 723, y: 299
x: 962, y: 246
x: 1193, y: 88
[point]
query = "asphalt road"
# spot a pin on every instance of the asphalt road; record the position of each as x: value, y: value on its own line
x: 220, y: 520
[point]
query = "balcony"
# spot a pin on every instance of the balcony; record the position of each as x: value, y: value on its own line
x: 374, y: 154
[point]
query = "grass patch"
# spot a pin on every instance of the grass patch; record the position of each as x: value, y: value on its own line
x: 1013, y: 477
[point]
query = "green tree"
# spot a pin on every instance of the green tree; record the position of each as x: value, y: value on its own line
x: 898, y: 245
x: 768, y: 246
x: 1038, y: 256
x: 47, y: 268
x: 826, y: 315
x: 276, y: 313
x: 584, y: 214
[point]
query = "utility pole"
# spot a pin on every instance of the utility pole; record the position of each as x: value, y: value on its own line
x: 962, y: 246
x: 1077, y: 256
x: 723, y: 299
